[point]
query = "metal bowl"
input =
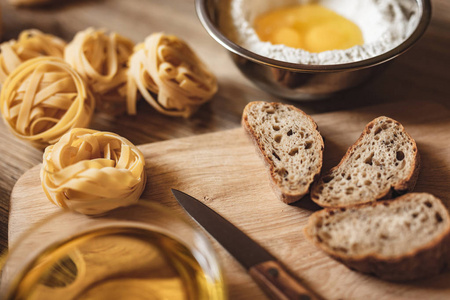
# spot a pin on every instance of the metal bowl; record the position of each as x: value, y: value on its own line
x: 300, y: 81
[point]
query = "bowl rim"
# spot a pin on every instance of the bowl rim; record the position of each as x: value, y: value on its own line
x: 215, y: 33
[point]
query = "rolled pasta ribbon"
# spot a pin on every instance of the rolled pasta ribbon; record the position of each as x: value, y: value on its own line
x: 30, y: 44
x: 93, y: 172
x: 43, y: 99
x: 165, y: 65
x: 102, y: 60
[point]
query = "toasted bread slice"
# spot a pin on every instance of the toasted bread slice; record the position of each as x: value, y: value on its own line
x: 383, y: 163
x: 289, y: 143
x: 396, y: 240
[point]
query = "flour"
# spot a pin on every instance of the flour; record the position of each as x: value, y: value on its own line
x: 384, y: 25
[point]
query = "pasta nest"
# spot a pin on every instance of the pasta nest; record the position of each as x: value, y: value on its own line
x: 93, y: 172
x: 102, y: 60
x: 43, y: 99
x: 165, y: 65
x: 30, y: 44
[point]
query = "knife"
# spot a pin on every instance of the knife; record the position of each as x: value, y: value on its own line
x: 265, y: 269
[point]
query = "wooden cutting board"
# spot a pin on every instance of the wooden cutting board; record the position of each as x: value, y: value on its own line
x: 223, y: 170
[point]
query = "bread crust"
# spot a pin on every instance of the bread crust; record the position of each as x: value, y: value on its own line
x: 404, y: 186
x: 287, y: 198
x: 427, y: 260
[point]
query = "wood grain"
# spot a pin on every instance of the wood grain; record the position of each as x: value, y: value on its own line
x: 223, y: 170
x: 420, y: 74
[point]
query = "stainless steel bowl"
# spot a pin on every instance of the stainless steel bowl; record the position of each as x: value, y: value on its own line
x: 300, y: 81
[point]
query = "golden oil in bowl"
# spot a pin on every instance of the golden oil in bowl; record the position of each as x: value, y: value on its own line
x: 311, y: 27
x: 143, y: 251
x: 116, y: 263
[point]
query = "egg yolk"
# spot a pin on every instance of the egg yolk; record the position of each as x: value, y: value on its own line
x: 310, y: 27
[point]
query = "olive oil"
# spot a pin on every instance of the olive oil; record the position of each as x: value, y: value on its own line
x: 117, y: 263
x: 310, y: 27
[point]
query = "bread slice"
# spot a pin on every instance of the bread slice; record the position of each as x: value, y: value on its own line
x: 396, y: 240
x: 289, y: 143
x: 383, y: 163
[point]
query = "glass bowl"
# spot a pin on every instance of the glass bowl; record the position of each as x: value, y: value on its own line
x: 143, y: 251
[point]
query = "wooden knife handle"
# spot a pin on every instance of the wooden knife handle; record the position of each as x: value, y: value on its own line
x: 276, y: 282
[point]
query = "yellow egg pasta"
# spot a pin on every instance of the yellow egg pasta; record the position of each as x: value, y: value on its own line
x: 93, y: 172
x: 43, y: 99
x: 30, y: 44
x: 102, y: 60
x: 165, y: 65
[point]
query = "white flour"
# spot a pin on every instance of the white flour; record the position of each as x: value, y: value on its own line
x: 384, y: 25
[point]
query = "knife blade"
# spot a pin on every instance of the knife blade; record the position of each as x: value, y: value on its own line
x: 263, y: 267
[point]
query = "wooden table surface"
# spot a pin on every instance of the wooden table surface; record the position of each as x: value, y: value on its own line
x: 421, y: 73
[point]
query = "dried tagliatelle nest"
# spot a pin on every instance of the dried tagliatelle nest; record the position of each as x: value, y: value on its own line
x: 101, y: 59
x: 93, y: 172
x: 30, y: 44
x: 167, y: 67
x: 43, y: 99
